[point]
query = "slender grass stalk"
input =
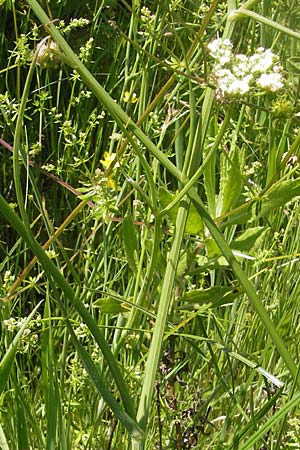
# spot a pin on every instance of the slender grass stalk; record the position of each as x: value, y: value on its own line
x: 159, y: 328
x: 3, y: 440
x: 17, y: 147
x: 49, y: 377
x: 47, y: 244
x: 168, y: 283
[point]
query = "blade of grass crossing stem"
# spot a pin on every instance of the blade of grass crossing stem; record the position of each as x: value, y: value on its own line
x: 56, y: 279
x: 241, y: 12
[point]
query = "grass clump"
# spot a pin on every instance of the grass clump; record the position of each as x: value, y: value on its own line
x: 149, y: 214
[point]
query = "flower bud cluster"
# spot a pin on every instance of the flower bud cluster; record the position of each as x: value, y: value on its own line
x: 236, y: 75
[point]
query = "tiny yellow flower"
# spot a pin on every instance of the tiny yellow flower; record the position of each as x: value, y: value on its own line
x: 111, y: 183
x: 128, y: 97
x: 108, y: 159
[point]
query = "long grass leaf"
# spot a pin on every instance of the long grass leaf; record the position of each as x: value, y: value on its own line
x: 57, y: 279
x: 246, y: 284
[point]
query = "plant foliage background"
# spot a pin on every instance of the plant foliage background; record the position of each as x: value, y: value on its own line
x: 149, y: 226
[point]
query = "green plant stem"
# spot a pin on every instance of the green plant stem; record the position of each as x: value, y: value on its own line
x: 241, y: 12
x: 17, y: 147
x: 162, y: 315
x: 167, y: 292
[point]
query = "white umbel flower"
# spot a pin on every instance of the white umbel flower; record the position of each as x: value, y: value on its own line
x: 220, y: 50
x: 270, y: 81
x: 262, y: 60
x: 236, y: 75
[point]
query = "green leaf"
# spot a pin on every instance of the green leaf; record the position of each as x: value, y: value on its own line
x: 130, y: 242
x: 109, y: 305
x: 194, y: 223
x: 213, y: 252
x: 242, y: 215
x: 182, y: 264
x: 278, y: 195
x: 216, y: 295
x: 231, y: 182
x: 247, y: 240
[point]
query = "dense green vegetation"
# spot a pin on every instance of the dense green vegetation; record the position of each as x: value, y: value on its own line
x: 149, y: 215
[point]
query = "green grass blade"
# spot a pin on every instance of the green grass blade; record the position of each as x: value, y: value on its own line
x: 264, y: 20
x: 7, y: 361
x: 246, y: 284
x: 57, y: 279
x: 22, y: 431
x: 3, y: 441
x: 130, y: 242
x: 129, y: 423
x: 265, y: 427
x: 162, y: 314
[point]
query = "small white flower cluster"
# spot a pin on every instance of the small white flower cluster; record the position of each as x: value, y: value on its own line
x: 82, y: 331
x: 29, y: 337
x: 236, y: 75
